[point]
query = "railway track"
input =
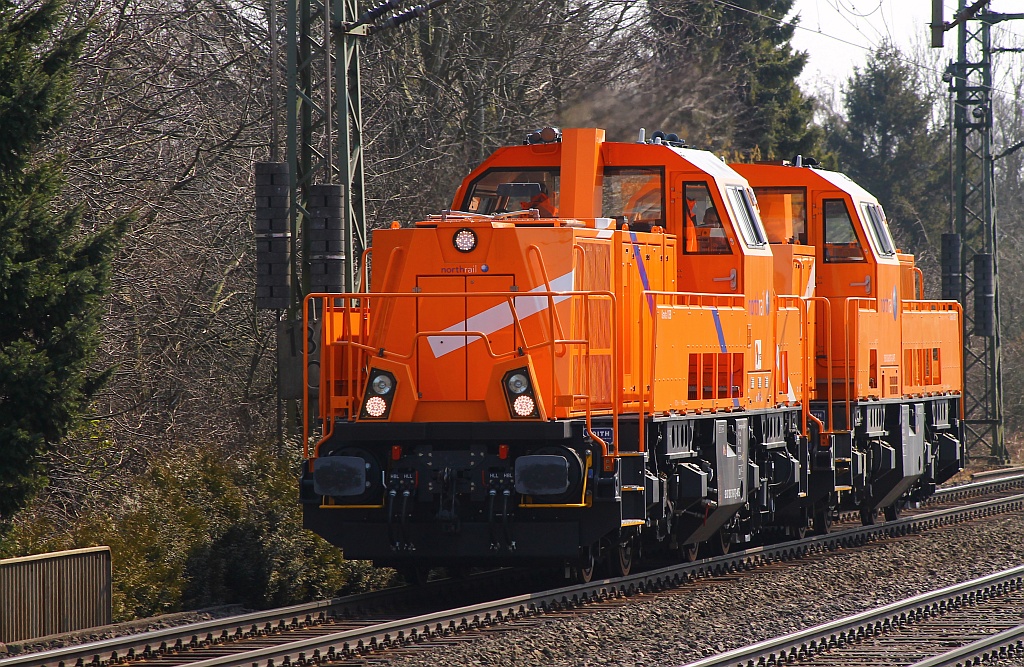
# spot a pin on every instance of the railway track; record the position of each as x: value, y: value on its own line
x: 356, y: 625
x: 949, y: 627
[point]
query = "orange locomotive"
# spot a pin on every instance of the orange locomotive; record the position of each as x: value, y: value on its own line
x: 601, y: 349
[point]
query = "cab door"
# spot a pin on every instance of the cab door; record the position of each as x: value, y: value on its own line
x: 709, y: 259
x: 441, y: 360
x: 449, y: 366
x: 845, y: 270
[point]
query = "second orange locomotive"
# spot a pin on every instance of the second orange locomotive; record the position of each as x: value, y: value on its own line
x: 604, y: 348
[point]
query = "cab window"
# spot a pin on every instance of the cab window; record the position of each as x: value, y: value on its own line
x: 509, y: 190
x: 784, y: 213
x: 879, y: 230
x: 746, y: 218
x: 635, y: 195
x: 841, y: 244
x: 702, y: 223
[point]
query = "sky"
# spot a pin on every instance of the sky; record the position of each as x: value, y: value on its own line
x: 838, y: 35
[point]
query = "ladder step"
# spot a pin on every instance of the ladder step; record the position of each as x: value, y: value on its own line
x: 627, y: 523
x: 632, y: 487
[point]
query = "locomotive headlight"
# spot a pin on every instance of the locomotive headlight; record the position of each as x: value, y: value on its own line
x: 518, y: 383
x: 381, y: 385
x: 524, y: 405
x: 520, y: 395
x: 464, y: 240
x: 375, y: 406
x: 378, y: 395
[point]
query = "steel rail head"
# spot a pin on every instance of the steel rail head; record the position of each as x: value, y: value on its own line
x: 359, y: 641
x: 830, y: 634
x: 256, y: 623
x: 1003, y: 645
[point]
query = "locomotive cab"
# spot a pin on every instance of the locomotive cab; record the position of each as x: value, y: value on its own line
x: 887, y: 366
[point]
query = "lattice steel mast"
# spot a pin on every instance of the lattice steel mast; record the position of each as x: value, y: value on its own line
x: 970, y: 253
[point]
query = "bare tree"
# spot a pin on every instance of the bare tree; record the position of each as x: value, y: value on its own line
x: 172, y: 107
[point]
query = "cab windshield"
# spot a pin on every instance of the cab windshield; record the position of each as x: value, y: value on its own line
x: 784, y: 213
x: 634, y: 194
x: 508, y: 190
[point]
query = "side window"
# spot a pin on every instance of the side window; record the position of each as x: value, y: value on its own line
x: 879, y: 230
x: 784, y: 213
x: 747, y: 220
x: 703, y: 233
x: 841, y: 244
x: 634, y: 193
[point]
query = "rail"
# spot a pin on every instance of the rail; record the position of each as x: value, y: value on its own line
x: 196, y: 638
x: 831, y: 636
x: 812, y: 358
x: 788, y: 301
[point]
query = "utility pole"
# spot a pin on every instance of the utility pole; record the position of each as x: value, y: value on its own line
x: 311, y: 209
x: 970, y: 252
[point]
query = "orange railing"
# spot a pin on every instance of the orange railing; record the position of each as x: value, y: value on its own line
x: 852, y: 332
x: 712, y: 300
x: 348, y: 342
x: 694, y: 300
x: 812, y: 358
x: 851, y: 327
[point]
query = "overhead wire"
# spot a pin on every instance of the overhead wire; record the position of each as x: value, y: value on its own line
x: 853, y: 10
x: 819, y: 31
x: 840, y: 9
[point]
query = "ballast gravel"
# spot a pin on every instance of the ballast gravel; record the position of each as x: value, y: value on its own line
x: 711, y: 616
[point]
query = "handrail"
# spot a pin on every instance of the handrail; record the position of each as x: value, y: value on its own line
x: 616, y: 404
x: 556, y: 322
x: 353, y: 344
x: 364, y: 280
x: 828, y: 356
x: 510, y: 298
x: 849, y: 335
x: 579, y: 266
x: 805, y: 394
x: 919, y: 275
x: 851, y: 379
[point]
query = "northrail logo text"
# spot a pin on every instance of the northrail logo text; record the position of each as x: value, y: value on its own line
x: 464, y: 270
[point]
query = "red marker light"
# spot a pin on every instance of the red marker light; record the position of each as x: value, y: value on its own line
x: 502, y: 452
x: 396, y: 452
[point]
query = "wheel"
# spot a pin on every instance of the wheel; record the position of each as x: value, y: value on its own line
x: 867, y: 516
x: 721, y: 542
x: 620, y: 560
x: 583, y: 571
x: 892, y: 512
x: 690, y: 552
x: 822, y: 520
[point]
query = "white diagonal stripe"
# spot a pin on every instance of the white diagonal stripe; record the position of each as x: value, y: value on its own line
x: 498, y: 317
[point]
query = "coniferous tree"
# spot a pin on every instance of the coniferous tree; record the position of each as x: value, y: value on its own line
x: 52, y: 274
x: 888, y: 144
x: 746, y: 44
